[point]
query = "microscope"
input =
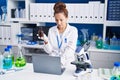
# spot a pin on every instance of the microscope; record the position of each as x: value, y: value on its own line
x: 82, y: 61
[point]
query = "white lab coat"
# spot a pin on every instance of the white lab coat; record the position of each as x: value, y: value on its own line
x: 68, y: 43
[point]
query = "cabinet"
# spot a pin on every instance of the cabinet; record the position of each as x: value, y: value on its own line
x: 8, y: 32
x: 28, y: 50
x: 112, y: 15
x: 103, y: 58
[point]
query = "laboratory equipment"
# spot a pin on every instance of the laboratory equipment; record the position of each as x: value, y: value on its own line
x: 4, y: 13
x: 82, y: 61
x: 19, y: 38
x: 1, y: 64
x: 85, y: 35
x: 11, y: 52
x: 20, y: 61
x: 7, y: 61
x: 116, y: 71
x: 40, y: 32
x: 99, y: 43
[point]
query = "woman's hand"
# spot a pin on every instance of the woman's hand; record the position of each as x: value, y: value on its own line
x: 42, y: 36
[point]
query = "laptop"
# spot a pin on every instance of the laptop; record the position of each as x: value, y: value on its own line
x: 43, y: 63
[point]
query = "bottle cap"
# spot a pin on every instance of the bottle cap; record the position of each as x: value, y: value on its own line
x: 9, y: 46
x: 6, y: 49
x: 116, y: 64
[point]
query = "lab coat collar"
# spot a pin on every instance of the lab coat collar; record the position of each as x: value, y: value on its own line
x: 64, y: 33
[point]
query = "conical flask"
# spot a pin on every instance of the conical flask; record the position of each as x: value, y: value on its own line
x: 20, y: 59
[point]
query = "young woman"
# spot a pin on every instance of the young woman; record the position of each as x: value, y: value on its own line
x: 62, y: 38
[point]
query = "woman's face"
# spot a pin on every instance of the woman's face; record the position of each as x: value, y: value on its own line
x: 61, y: 20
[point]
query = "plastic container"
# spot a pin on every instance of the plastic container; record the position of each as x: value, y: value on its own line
x: 7, y: 61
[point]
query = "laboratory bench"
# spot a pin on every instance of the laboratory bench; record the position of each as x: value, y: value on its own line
x: 28, y: 74
x: 100, y: 58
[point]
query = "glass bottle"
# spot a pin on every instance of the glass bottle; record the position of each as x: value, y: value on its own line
x: 99, y: 43
x: 4, y: 13
x: 40, y: 32
x: 113, y: 41
x: 20, y: 60
x: 7, y: 61
x: 116, y: 71
x: 11, y: 52
x: 1, y: 64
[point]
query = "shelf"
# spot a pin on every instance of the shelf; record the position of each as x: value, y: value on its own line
x: 25, y: 45
x: 19, y: 19
x: 5, y: 23
x: 94, y: 49
x: 18, y: 10
x: 112, y: 23
x: 32, y: 46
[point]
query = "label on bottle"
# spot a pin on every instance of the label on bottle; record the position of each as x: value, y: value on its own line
x: 7, y: 63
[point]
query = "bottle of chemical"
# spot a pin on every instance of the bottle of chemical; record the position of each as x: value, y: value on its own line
x: 7, y: 61
x: 116, y: 71
x: 1, y: 61
x: 106, y: 44
x: 99, y: 43
x: 11, y: 52
x: 16, y: 13
x: 113, y: 41
x: 20, y: 60
x: 1, y: 64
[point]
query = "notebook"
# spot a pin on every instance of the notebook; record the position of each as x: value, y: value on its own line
x: 43, y: 63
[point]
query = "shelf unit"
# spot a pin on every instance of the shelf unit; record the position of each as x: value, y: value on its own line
x: 17, y: 11
x: 8, y: 33
x: 104, y: 58
x: 75, y: 12
x: 80, y: 13
x: 112, y: 8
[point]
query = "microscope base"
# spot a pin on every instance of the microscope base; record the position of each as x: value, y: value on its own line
x: 82, y: 72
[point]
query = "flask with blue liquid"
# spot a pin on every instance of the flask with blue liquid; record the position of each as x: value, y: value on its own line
x: 7, y: 61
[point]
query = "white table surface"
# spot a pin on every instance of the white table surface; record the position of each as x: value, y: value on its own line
x: 28, y: 74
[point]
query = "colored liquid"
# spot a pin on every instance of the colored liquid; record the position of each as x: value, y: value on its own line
x: 1, y: 62
x: 7, y: 63
x: 99, y: 44
x: 12, y: 59
x: 20, y: 62
x: 40, y: 32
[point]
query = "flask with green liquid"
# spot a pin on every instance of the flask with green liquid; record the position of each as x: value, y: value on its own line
x: 20, y: 60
